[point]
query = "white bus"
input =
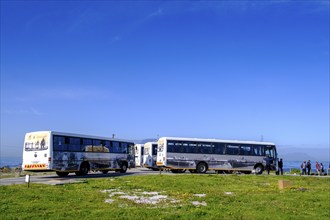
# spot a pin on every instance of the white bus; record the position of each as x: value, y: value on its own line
x: 200, y: 155
x: 139, y: 155
x: 66, y: 153
x: 150, y: 155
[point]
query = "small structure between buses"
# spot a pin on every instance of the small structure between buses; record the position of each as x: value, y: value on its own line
x: 66, y: 153
x: 150, y: 155
x: 138, y: 155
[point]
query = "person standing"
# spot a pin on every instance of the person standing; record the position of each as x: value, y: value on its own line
x: 309, y: 167
x: 321, y: 168
x: 303, y: 168
x: 280, y: 167
x: 268, y: 160
x: 318, y: 168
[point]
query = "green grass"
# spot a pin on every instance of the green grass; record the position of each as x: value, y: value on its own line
x: 226, y: 197
x: 8, y: 172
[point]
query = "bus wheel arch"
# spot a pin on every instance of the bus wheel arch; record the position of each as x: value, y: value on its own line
x: 201, y: 167
x: 259, y: 168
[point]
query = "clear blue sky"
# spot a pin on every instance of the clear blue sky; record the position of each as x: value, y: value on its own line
x: 215, y: 69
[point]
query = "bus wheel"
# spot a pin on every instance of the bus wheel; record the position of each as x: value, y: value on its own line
x: 201, y: 167
x: 123, y: 168
x: 84, y: 168
x: 105, y: 171
x: 62, y: 174
x: 259, y: 169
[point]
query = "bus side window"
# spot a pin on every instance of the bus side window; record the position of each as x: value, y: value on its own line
x: 178, y: 147
x: 192, y: 147
x: 170, y: 146
x: 185, y: 147
x: 245, y: 150
x: 232, y: 149
x: 130, y: 148
x: 86, y: 145
x: 66, y: 140
x: 206, y: 148
x: 74, y: 144
x: 58, y: 143
x: 198, y: 148
x: 106, y: 146
x: 219, y: 148
x: 115, y: 147
x: 124, y: 147
x: 258, y: 150
x: 97, y: 146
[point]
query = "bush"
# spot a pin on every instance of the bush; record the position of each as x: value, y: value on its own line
x: 5, y: 169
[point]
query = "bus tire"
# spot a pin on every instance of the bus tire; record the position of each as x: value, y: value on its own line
x: 259, y: 169
x: 201, y: 167
x: 105, y: 171
x: 83, y: 170
x: 123, y: 168
x: 62, y: 174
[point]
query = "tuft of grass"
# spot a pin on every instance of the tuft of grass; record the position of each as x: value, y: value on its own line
x: 295, y: 171
x: 226, y: 197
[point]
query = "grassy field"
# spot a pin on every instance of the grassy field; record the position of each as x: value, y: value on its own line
x: 171, y: 197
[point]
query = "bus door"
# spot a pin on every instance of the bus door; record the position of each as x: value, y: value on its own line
x: 147, y: 158
x: 154, y: 154
x: 131, y: 155
x: 270, y: 151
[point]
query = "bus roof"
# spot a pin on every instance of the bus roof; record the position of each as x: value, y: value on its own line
x: 79, y: 135
x: 150, y: 142
x: 216, y: 140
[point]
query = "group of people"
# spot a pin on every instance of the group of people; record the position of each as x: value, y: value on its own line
x: 306, y: 168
